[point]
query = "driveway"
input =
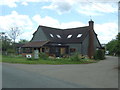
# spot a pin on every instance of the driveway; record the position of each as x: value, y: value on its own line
x: 96, y: 75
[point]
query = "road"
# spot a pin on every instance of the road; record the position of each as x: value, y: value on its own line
x: 96, y: 75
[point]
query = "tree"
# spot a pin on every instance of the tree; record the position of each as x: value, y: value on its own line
x: 6, y: 44
x: 23, y: 41
x: 14, y: 33
x: 114, y: 46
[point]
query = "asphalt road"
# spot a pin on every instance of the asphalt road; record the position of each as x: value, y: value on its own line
x: 97, y: 75
x: 14, y: 77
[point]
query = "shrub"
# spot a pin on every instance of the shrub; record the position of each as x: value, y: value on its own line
x: 75, y: 57
x: 99, y: 54
x: 11, y: 51
x: 43, y: 56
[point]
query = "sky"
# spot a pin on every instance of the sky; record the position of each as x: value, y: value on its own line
x: 27, y: 15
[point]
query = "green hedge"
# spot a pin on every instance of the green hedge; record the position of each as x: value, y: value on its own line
x: 99, y: 54
x: 43, y: 56
x: 75, y: 57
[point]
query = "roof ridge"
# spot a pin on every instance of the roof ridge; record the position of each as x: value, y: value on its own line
x: 63, y: 29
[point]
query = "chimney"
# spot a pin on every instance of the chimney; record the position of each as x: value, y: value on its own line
x: 91, y: 39
x: 91, y: 24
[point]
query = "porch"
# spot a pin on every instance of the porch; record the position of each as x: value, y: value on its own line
x: 51, y: 49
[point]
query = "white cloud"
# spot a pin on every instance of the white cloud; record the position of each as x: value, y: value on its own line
x: 96, y: 8
x: 13, y: 3
x: 23, y: 22
x: 24, y: 3
x: 51, y: 22
x: 10, y: 3
x: 14, y: 19
x: 83, y: 7
x: 59, y: 6
x: 73, y: 24
x: 106, y: 31
x: 46, y: 21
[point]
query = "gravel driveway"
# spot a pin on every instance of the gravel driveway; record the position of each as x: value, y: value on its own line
x: 96, y: 75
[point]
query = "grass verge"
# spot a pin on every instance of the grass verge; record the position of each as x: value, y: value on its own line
x: 23, y: 60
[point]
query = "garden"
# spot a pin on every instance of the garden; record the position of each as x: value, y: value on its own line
x: 76, y: 58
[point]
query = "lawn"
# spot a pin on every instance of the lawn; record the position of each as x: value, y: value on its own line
x: 23, y: 60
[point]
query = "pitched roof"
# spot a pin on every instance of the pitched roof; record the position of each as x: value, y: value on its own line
x: 61, y: 35
x: 18, y: 45
x: 35, y: 44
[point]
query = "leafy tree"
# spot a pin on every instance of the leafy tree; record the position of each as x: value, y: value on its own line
x: 6, y: 44
x: 114, y: 46
x: 23, y: 41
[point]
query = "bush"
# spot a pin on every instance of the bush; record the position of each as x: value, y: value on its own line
x: 11, y: 51
x: 99, y: 54
x: 75, y: 57
x: 43, y: 56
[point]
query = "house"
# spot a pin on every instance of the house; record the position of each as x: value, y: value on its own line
x: 59, y: 42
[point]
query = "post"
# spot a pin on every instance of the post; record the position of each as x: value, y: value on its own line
x: 36, y: 54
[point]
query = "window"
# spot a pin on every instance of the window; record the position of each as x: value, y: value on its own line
x: 72, y: 50
x: 58, y: 36
x: 51, y: 35
x: 79, y: 35
x: 27, y: 50
x: 69, y: 36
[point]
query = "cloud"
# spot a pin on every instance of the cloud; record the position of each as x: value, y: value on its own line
x: 86, y: 7
x: 51, y: 22
x: 24, y: 3
x: 59, y: 6
x: 10, y: 3
x: 106, y: 31
x: 96, y: 8
x: 13, y: 3
x: 15, y: 19
x: 23, y: 22
x: 46, y: 21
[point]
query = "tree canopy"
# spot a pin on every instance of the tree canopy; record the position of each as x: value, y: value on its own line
x: 114, y: 46
x: 23, y: 41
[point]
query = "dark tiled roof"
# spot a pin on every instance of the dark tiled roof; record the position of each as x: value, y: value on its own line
x: 18, y: 44
x: 64, y: 34
x: 35, y: 44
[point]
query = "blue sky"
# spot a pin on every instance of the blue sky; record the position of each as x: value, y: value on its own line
x: 29, y: 14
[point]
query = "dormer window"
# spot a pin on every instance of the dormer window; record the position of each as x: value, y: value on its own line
x: 79, y: 35
x: 58, y: 36
x: 69, y: 36
x: 51, y: 35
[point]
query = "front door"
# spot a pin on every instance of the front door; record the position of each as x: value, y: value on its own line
x: 57, y: 52
x: 62, y: 51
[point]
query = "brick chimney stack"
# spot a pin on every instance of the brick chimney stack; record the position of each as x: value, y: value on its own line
x: 91, y: 39
x: 91, y: 24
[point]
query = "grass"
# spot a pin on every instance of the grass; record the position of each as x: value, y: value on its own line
x: 23, y: 60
